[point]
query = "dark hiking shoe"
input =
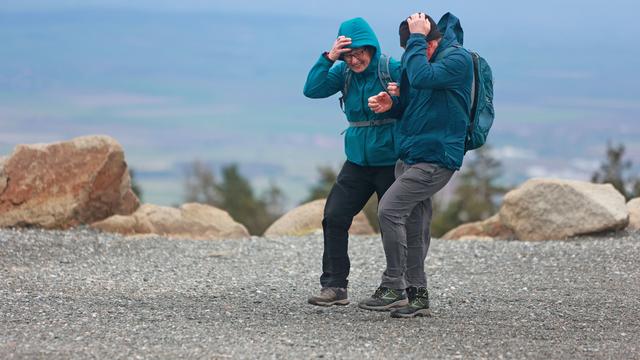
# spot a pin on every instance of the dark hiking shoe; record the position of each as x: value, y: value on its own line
x: 411, y: 292
x: 330, y: 296
x: 384, y: 299
x: 418, y: 306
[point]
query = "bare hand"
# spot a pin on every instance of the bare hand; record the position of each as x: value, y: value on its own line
x: 418, y: 24
x: 339, y: 48
x: 393, y: 89
x: 380, y: 103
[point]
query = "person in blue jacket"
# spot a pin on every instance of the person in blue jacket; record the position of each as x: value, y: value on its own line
x: 369, y: 145
x: 435, y: 98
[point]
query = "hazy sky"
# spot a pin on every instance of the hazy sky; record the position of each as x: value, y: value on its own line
x: 292, y: 5
x: 173, y: 80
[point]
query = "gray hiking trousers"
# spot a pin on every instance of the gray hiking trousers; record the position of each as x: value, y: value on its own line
x: 405, y: 216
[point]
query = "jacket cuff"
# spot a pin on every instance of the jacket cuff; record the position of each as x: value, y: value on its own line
x: 326, y: 56
x: 417, y: 37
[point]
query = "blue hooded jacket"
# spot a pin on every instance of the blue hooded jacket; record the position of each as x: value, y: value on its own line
x: 435, y: 98
x: 365, y: 146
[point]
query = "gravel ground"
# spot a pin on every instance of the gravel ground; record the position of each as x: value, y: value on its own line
x: 84, y: 294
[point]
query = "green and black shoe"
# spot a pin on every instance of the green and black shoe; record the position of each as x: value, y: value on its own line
x: 384, y: 299
x: 418, y: 306
x: 411, y: 292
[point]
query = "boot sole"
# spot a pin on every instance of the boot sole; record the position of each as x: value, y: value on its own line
x: 418, y: 313
x: 330, y: 303
x: 399, y: 303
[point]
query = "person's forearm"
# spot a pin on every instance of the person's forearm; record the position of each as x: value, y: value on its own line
x: 321, y: 83
x: 419, y: 70
x: 423, y: 74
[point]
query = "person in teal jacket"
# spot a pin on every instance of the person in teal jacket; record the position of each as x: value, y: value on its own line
x: 435, y: 100
x: 369, y: 144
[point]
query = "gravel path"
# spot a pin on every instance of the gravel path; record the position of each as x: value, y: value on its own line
x: 83, y: 294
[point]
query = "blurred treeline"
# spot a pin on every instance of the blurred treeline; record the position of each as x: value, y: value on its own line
x: 477, y: 194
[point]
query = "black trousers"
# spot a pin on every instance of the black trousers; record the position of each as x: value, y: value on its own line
x: 353, y: 188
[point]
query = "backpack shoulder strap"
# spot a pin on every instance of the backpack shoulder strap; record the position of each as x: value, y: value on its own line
x: 474, y: 85
x: 384, y: 74
x: 346, y: 75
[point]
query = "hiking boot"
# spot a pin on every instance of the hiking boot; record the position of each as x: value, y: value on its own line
x: 384, y: 299
x: 411, y: 292
x: 418, y: 306
x: 330, y: 296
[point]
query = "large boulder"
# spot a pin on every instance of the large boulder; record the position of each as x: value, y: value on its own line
x: 543, y: 209
x: 190, y: 221
x: 634, y: 214
x: 64, y: 184
x: 307, y: 219
x: 490, y: 228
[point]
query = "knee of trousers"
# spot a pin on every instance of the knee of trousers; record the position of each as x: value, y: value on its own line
x: 386, y: 215
x: 336, y: 221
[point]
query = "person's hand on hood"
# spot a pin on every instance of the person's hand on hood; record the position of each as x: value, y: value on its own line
x: 339, y: 48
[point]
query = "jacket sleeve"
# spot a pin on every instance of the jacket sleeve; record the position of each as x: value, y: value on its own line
x: 450, y: 72
x: 324, y: 79
x: 395, y: 70
x: 396, y: 109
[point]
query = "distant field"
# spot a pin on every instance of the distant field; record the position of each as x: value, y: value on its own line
x: 172, y: 88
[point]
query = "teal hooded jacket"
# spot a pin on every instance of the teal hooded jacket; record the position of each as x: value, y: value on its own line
x: 435, y: 98
x: 365, y: 146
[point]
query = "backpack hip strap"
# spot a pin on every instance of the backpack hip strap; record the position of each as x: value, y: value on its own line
x: 371, y: 123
